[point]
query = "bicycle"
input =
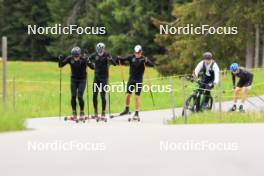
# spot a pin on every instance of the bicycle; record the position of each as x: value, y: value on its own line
x: 193, y: 103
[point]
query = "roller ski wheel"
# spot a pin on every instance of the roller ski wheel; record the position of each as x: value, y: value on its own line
x: 134, y: 119
x: 94, y: 117
x: 101, y: 119
x: 82, y: 119
x: 71, y: 118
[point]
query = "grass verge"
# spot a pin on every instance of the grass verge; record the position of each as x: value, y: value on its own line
x: 12, y: 120
x: 214, y: 118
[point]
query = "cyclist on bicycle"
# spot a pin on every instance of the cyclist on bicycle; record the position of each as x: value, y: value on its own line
x: 244, y: 84
x: 210, y: 75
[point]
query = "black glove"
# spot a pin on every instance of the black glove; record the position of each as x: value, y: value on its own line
x: 60, y: 58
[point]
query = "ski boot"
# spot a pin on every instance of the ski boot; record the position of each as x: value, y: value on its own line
x: 125, y: 112
x: 102, y: 118
x: 73, y: 117
x: 241, y: 109
x: 82, y: 117
x: 234, y: 107
x: 134, y: 118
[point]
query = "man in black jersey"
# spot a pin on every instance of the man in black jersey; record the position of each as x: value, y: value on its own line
x: 137, y: 63
x: 102, y: 60
x: 243, y: 85
x: 78, y: 77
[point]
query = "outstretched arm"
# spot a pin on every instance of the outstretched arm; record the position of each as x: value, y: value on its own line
x: 111, y: 60
x: 90, y: 64
x: 121, y: 59
x: 149, y: 62
x: 88, y: 61
x: 63, y: 61
x: 233, y: 80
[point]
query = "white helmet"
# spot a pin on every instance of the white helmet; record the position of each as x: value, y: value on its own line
x: 100, y: 48
x: 137, y: 49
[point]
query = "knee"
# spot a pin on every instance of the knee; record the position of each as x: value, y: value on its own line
x: 237, y: 90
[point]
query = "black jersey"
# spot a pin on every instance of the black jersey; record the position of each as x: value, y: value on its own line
x: 245, y: 77
x: 78, y: 67
x: 137, y: 67
x: 101, y: 65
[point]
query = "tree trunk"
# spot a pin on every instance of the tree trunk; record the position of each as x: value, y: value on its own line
x: 249, y: 48
x: 257, y: 46
x: 263, y: 50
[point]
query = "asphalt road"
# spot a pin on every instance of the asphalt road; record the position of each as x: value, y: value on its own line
x: 54, y: 147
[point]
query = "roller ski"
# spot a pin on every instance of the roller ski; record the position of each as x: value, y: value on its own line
x: 82, y: 117
x: 125, y: 112
x: 134, y: 118
x: 94, y: 117
x: 73, y: 117
x: 102, y: 118
x: 119, y: 115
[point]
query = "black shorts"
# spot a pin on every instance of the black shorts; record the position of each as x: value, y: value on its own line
x: 244, y: 83
x: 134, y: 85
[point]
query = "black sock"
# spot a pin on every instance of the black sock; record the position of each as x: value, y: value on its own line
x: 136, y: 113
x: 127, y: 109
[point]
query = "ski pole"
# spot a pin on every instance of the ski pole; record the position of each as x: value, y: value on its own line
x: 258, y: 96
x: 87, y: 86
x: 109, y: 96
x: 251, y: 103
x: 150, y: 91
x: 60, y: 93
x: 122, y: 75
x: 87, y: 95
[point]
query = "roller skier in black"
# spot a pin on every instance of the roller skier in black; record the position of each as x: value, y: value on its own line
x: 78, y: 65
x: 137, y: 63
x: 101, y: 60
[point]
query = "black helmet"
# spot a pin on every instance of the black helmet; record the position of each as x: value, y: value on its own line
x: 208, y: 55
x: 76, y: 51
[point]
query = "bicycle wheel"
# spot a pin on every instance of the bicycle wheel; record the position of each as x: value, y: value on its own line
x: 190, y: 105
x: 210, y: 103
